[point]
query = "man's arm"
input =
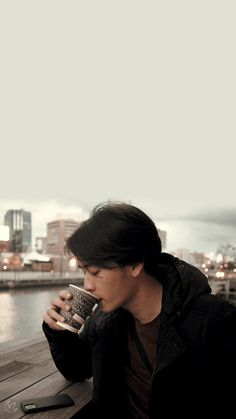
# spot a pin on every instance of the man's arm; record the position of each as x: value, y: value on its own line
x: 71, y: 353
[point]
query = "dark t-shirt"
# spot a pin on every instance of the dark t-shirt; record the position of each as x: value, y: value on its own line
x: 138, y: 378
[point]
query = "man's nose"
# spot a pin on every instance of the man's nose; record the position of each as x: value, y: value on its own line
x: 89, y: 282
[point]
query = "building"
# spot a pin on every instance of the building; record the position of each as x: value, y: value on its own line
x: 10, y: 261
x: 35, y: 261
x: 4, y: 239
x: 20, y: 230
x: 226, y: 253
x: 41, y: 244
x: 57, y: 233
x: 4, y: 233
x: 194, y: 258
x: 162, y: 235
x: 4, y: 246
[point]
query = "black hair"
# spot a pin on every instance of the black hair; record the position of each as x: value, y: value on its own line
x: 116, y: 234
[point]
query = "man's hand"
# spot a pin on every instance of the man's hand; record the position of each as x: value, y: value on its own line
x: 53, y: 312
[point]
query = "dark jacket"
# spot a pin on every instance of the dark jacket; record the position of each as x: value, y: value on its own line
x: 196, y: 351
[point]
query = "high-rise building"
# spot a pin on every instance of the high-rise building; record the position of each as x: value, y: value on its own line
x: 162, y: 235
x: 57, y: 233
x: 20, y: 230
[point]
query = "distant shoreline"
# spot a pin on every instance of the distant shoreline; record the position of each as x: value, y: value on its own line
x: 18, y: 284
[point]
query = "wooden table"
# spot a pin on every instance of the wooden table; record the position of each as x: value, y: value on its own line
x: 26, y: 371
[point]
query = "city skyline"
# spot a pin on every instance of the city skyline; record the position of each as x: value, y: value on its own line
x: 202, y: 232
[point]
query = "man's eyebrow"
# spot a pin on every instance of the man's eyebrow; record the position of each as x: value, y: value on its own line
x: 86, y: 265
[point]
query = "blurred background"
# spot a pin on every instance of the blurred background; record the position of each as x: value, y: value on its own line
x: 131, y: 101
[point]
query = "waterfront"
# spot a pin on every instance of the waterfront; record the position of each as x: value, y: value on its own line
x: 21, y: 311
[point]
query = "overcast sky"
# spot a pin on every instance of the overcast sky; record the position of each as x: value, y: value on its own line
x: 128, y: 100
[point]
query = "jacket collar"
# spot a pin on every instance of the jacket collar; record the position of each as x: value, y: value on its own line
x: 170, y: 345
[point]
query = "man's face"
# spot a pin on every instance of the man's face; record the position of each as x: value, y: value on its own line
x: 115, y: 287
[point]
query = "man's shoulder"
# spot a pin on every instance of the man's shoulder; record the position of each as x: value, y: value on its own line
x: 171, y: 263
x: 211, y: 305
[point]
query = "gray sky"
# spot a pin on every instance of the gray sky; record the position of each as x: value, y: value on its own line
x: 127, y: 100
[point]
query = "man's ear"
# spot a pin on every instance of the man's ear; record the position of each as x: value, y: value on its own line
x: 137, y: 269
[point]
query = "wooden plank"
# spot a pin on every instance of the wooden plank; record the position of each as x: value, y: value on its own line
x: 15, y: 344
x: 24, y: 379
x: 37, y: 357
x: 53, y: 384
x: 22, y: 353
x: 79, y: 392
x: 12, y: 368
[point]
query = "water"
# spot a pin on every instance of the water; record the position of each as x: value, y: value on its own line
x: 21, y: 311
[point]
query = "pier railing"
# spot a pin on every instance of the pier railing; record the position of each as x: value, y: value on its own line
x: 224, y: 288
x: 18, y: 279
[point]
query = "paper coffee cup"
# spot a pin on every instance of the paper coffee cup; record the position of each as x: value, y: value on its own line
x: 82, y: 304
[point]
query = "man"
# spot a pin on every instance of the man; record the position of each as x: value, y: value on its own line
x: 159, y: 342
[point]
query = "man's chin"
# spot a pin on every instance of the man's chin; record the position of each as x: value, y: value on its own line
x: 105, y: 307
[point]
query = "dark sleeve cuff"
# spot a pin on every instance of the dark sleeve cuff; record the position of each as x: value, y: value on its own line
x: 57, y: 335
